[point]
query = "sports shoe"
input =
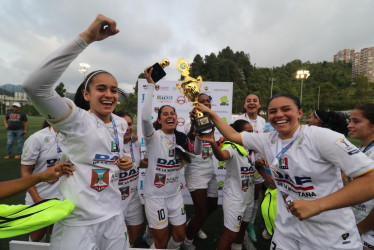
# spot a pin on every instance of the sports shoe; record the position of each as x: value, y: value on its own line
x: 7, y: 157
x: 187, y: 247
x: 147, y: 236
x: 251, y: 231
x: 17, y: 156
x: 266, y: 235
x: 202, y: 235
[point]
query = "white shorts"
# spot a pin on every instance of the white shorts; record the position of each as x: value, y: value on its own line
x: 235, y: 212
x: 134, y: 215
x: 204, y: 181
x: 282, y: 242
x: 368, y: 239
x: 161, y: 211
x: 107, y: 235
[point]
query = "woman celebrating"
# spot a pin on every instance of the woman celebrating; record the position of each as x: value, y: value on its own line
x: 166, y: 152
x: 305, y: 166
x: 92, y: 140
x: 361, y: 126
x: 252, y: 108
x: 238, y: 190
x: 128, y: 182
x: 201, y: 181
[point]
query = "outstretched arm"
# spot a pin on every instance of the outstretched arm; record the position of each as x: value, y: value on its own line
x: 8, y: 188
x: 39, y: 84
x: 147, y: 105
x: 227, y: 131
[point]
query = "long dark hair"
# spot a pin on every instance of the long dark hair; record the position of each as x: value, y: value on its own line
x: 367, y: 111
x: 180, y: 138
x: 85, y: 85
x: 238, y: 125
x: 332, y: 120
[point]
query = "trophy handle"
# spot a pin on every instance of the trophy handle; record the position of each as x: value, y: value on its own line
x: 179, y: 88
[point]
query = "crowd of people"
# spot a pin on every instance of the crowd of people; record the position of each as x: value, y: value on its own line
x: 94, y: 145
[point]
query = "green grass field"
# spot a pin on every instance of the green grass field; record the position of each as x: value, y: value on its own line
x: 10, y: 169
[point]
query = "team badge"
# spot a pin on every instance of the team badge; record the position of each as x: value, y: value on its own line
x: 160, y: 180
x: 245, y: 185
x: 205, y: 153
x: 346, y: 146
x: 99, y: 179
x: 286, y: 199
x: 125, y: 192
x: 283, y: 163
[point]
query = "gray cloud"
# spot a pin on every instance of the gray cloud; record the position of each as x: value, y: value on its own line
x: 272, y: 32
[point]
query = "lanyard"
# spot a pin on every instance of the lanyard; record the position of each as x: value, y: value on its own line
x: 369, y: 146
x: 132, y: 152
x: 173, y: 141
x: 281, y: 153
x: 56, y: 140
x: 116, y: 140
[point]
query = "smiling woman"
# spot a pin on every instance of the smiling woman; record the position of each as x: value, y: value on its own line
x: 92, y: 140
x: 305, y: 166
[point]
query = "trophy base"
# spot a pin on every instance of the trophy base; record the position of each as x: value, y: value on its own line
x: 203, y: 124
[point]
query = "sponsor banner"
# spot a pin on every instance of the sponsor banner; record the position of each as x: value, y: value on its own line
x: 166, y: 93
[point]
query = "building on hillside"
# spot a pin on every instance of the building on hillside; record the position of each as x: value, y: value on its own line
x: 345, y: 55
x: 363, y: 63
x: 20, y: 97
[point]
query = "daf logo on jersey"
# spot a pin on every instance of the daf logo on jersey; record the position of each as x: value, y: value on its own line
x: 297, y: 184
x: 181, y: 100
x: 160, y: 180
x: 125, y: 192
x: 128, y: 174
x: 346, y: 146
x: 245, y: 185
x: 99, y: 179
x: 99, y: 158
x: 181, y: 121
x: 283, y: 163
x: 247, y: 170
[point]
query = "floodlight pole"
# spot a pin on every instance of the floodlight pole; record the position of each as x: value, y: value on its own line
x: 302, y: 74
x: 83, y: 68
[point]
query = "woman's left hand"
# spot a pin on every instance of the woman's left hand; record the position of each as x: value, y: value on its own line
x: 303, y: 209
x: 125, y: 163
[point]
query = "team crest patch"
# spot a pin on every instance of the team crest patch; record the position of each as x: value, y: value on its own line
x: 346, y: 146
x: 125, y: 192
x: 245, y: 185
x: 160, y: 180
x: 205, y: 153
x: 283, y: 163
x: 99, y: 179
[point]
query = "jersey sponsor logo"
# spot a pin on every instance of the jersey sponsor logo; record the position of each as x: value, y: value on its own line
x: 160, y: 180
x: 163, y: 163
x: 247, y: 170
x: 346, y: 146
x: 297, y: 183
x: 99, y: 179
x: 100, y: 158
x: 245, y: 185
x: 125, y: 192
x: 283, y: 163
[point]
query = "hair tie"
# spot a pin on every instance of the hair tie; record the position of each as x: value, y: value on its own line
x: 92, y: 75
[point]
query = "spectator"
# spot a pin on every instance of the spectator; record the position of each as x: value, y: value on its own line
x: 16, y: 124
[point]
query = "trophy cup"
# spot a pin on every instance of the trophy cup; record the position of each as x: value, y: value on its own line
x: 158, y: 69
x: 191, y: 89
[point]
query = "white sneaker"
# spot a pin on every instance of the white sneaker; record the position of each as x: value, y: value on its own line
x: 202, y: 235
x: 266, y: 235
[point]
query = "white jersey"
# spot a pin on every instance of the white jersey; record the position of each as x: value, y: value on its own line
x: 162, y: 175
x: 309, y: 170
x: 41, y: 150
x: 128, y: 180
x: 90, y: 145
x: 238, y: 184
x: 258, y: 124
x: 361, y: 211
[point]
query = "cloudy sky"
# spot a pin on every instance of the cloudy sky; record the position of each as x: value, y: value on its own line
x: 273, y: 32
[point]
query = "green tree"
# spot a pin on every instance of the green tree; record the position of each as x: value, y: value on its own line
x: 60, y: 89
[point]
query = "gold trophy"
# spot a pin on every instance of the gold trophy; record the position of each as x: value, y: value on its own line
x: 158, y: 69
x: 191, y: 89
